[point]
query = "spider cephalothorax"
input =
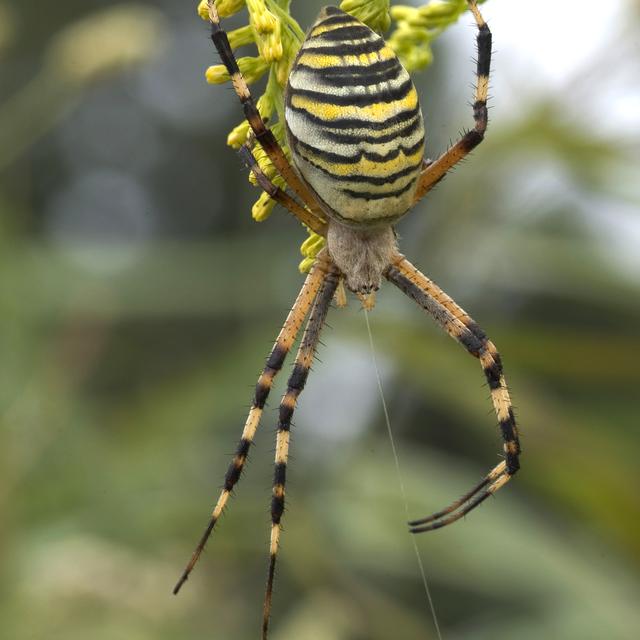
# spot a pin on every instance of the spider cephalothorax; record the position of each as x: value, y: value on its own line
x: 356, y: 135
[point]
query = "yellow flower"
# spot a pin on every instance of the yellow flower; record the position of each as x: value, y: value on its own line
x: 266, y: 28
x: 310, y: 249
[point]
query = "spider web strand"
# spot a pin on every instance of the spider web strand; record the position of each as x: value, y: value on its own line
x: 399, y: 475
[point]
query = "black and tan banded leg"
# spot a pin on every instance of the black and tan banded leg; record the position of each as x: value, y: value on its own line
x: 262, y: 133
x: 436, y: 170
x: 279, y: 195
x: 295, y: 385
x: 283, y: 344
x: 460, y: 326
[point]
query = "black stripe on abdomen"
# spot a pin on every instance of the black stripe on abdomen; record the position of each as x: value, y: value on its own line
x: 329, y: 156
x: 368, y: 195
x: 352, y: 138
x: 347, y: 33
x: 386, y: 95
x: 347, y: 48
x: 354, y: 75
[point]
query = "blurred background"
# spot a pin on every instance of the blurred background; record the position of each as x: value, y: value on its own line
x: 139, y: 300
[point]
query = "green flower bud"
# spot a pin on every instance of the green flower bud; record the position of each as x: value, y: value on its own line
x: 374, y: 13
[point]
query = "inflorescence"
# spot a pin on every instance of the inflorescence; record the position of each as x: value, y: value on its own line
x: 277, y: 37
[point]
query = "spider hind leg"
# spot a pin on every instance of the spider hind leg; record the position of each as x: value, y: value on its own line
x: 460, y: 326
x: 295, y: 385
x: 495, y: 479
x: 283, y: 344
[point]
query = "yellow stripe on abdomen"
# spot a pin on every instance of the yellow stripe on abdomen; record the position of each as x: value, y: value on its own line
x: 326, y: 61
x: 377, y: 112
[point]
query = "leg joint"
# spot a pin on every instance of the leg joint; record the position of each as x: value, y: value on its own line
x: 286, y: 413
x: 471, y: 140
x: 233, y: 473
x: 513, y: 464
x: 471, y: 342
x: 493, y: 373
x: 277, y: 508
x: 261, y: 394
x: 298, y: 377
x: 277, y: 357
x: 280, y: 474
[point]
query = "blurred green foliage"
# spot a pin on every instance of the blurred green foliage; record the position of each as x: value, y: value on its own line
x: 131, y: 333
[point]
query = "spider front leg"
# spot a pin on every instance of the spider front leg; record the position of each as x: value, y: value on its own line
x: 460, y: 326
x: 280, y: 196
x: 295, y: 385
x: 436, y: 170
x: 283, y: 344
x: 262, y: 133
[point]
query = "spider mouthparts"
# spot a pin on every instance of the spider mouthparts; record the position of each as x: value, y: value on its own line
x: 368, y: 300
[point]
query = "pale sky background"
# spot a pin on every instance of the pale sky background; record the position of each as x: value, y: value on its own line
x: 585, y: 55
x: 581, y: 48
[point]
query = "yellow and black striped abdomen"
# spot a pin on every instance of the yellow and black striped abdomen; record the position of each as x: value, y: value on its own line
x: 354, y: 123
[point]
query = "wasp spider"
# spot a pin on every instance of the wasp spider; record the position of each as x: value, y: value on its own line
x: 356, y: 134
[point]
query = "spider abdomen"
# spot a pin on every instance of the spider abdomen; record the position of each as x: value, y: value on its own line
x: 354, y: 123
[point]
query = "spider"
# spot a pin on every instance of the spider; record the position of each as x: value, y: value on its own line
x: 356, y: 134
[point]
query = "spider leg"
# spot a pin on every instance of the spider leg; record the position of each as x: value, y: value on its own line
x: 460, y: 326
x: 435, y: 171
x: 463, y: 499
x: 436, y: 521
x: 262, y: 133
x: 295, y: 385
x: 279, y: 195
x: 274, y: 363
